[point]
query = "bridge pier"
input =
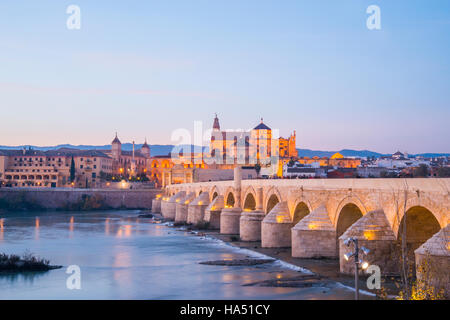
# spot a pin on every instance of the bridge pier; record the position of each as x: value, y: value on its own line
x: 196, y: 209
x: 250, y: 221
x: 181, y: 210
x: 374, y: 232
x: 230, y: 220
x: 276, y: 227
x: 314, y: 236
x: 213, y: 211
x: 168, y: 208
x: 433, y: 262
x: 230, y: 217
x: 156, y: 204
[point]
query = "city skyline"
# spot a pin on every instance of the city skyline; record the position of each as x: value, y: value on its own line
x: 302, y: 66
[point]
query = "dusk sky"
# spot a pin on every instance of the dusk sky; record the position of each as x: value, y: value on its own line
x: 146, y: 68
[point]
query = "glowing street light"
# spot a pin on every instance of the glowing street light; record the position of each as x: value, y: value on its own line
x: 358, y: 263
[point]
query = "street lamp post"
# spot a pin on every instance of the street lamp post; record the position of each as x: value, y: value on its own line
x: 358, y: 262
x: 356, y: 270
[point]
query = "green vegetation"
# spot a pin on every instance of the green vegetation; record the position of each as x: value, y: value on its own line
x: 202, y: 225
x: 180, y: 224
x: 443, y: 172
x: 72, y: 171
x: 88, y: 203
x: 234, y: 238
x: 421, y: 171
x: 27, y: 262
x: 141, y: 177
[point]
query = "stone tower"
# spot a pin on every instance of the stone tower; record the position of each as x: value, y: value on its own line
x: 216, y: 125
x: 145, y: 150
x: 116, y: 148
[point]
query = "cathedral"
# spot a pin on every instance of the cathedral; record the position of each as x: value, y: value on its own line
x: 256, y: 146
x: 132, y: 163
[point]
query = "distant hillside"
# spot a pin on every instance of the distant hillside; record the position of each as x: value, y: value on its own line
x: 155, y: 150
x: 162, y: 150
x: 344, y: 152
x: 359, y: 153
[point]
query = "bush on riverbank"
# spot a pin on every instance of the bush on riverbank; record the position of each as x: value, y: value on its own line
x: 88, y: 203
x: 19, y: 202
x: 27, y: 262
x: 202, y: 225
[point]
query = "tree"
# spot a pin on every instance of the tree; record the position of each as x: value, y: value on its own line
x: 72, y: 170
x: 421, y: 171
x: 257, y: 168
x: 443, y: 172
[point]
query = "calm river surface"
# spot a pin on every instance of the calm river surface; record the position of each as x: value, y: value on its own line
x: 124, y: 257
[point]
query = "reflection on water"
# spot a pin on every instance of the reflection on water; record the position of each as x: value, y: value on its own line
x: 71, y: 223
x: 25, y: 277
x: 36, y: 228
x: 107, y: 226
x: 124, y: 257
x: 1, y: 228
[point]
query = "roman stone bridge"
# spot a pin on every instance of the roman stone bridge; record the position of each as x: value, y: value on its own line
x: 314, y: 216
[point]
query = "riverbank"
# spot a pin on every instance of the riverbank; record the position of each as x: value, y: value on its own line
x: 124, y: 256
x: 324, y: 268
x: 68, y: 199
x: 321, y: 271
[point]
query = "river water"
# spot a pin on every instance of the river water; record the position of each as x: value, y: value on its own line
x: 124, y: 257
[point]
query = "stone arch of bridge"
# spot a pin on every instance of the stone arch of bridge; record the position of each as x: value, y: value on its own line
x: 353, y: 200
x: 301, y: 210
x: 417, y: 225
x: 230, y: 197
x: 250, y: 198
x: 213, y: 193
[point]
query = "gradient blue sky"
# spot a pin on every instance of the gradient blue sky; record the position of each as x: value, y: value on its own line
x: 145, y: 68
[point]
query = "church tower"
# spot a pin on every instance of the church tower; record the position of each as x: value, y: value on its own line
x: 261, y: 141
x: 116, y: 148
x: 216, y: 145
x: 293, y: 153
x: 216, y: 125
x: 145, y: 150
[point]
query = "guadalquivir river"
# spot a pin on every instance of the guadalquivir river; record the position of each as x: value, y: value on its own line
x: 124, y: 257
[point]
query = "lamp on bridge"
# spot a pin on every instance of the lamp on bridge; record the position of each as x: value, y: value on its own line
x: 358, y: 262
